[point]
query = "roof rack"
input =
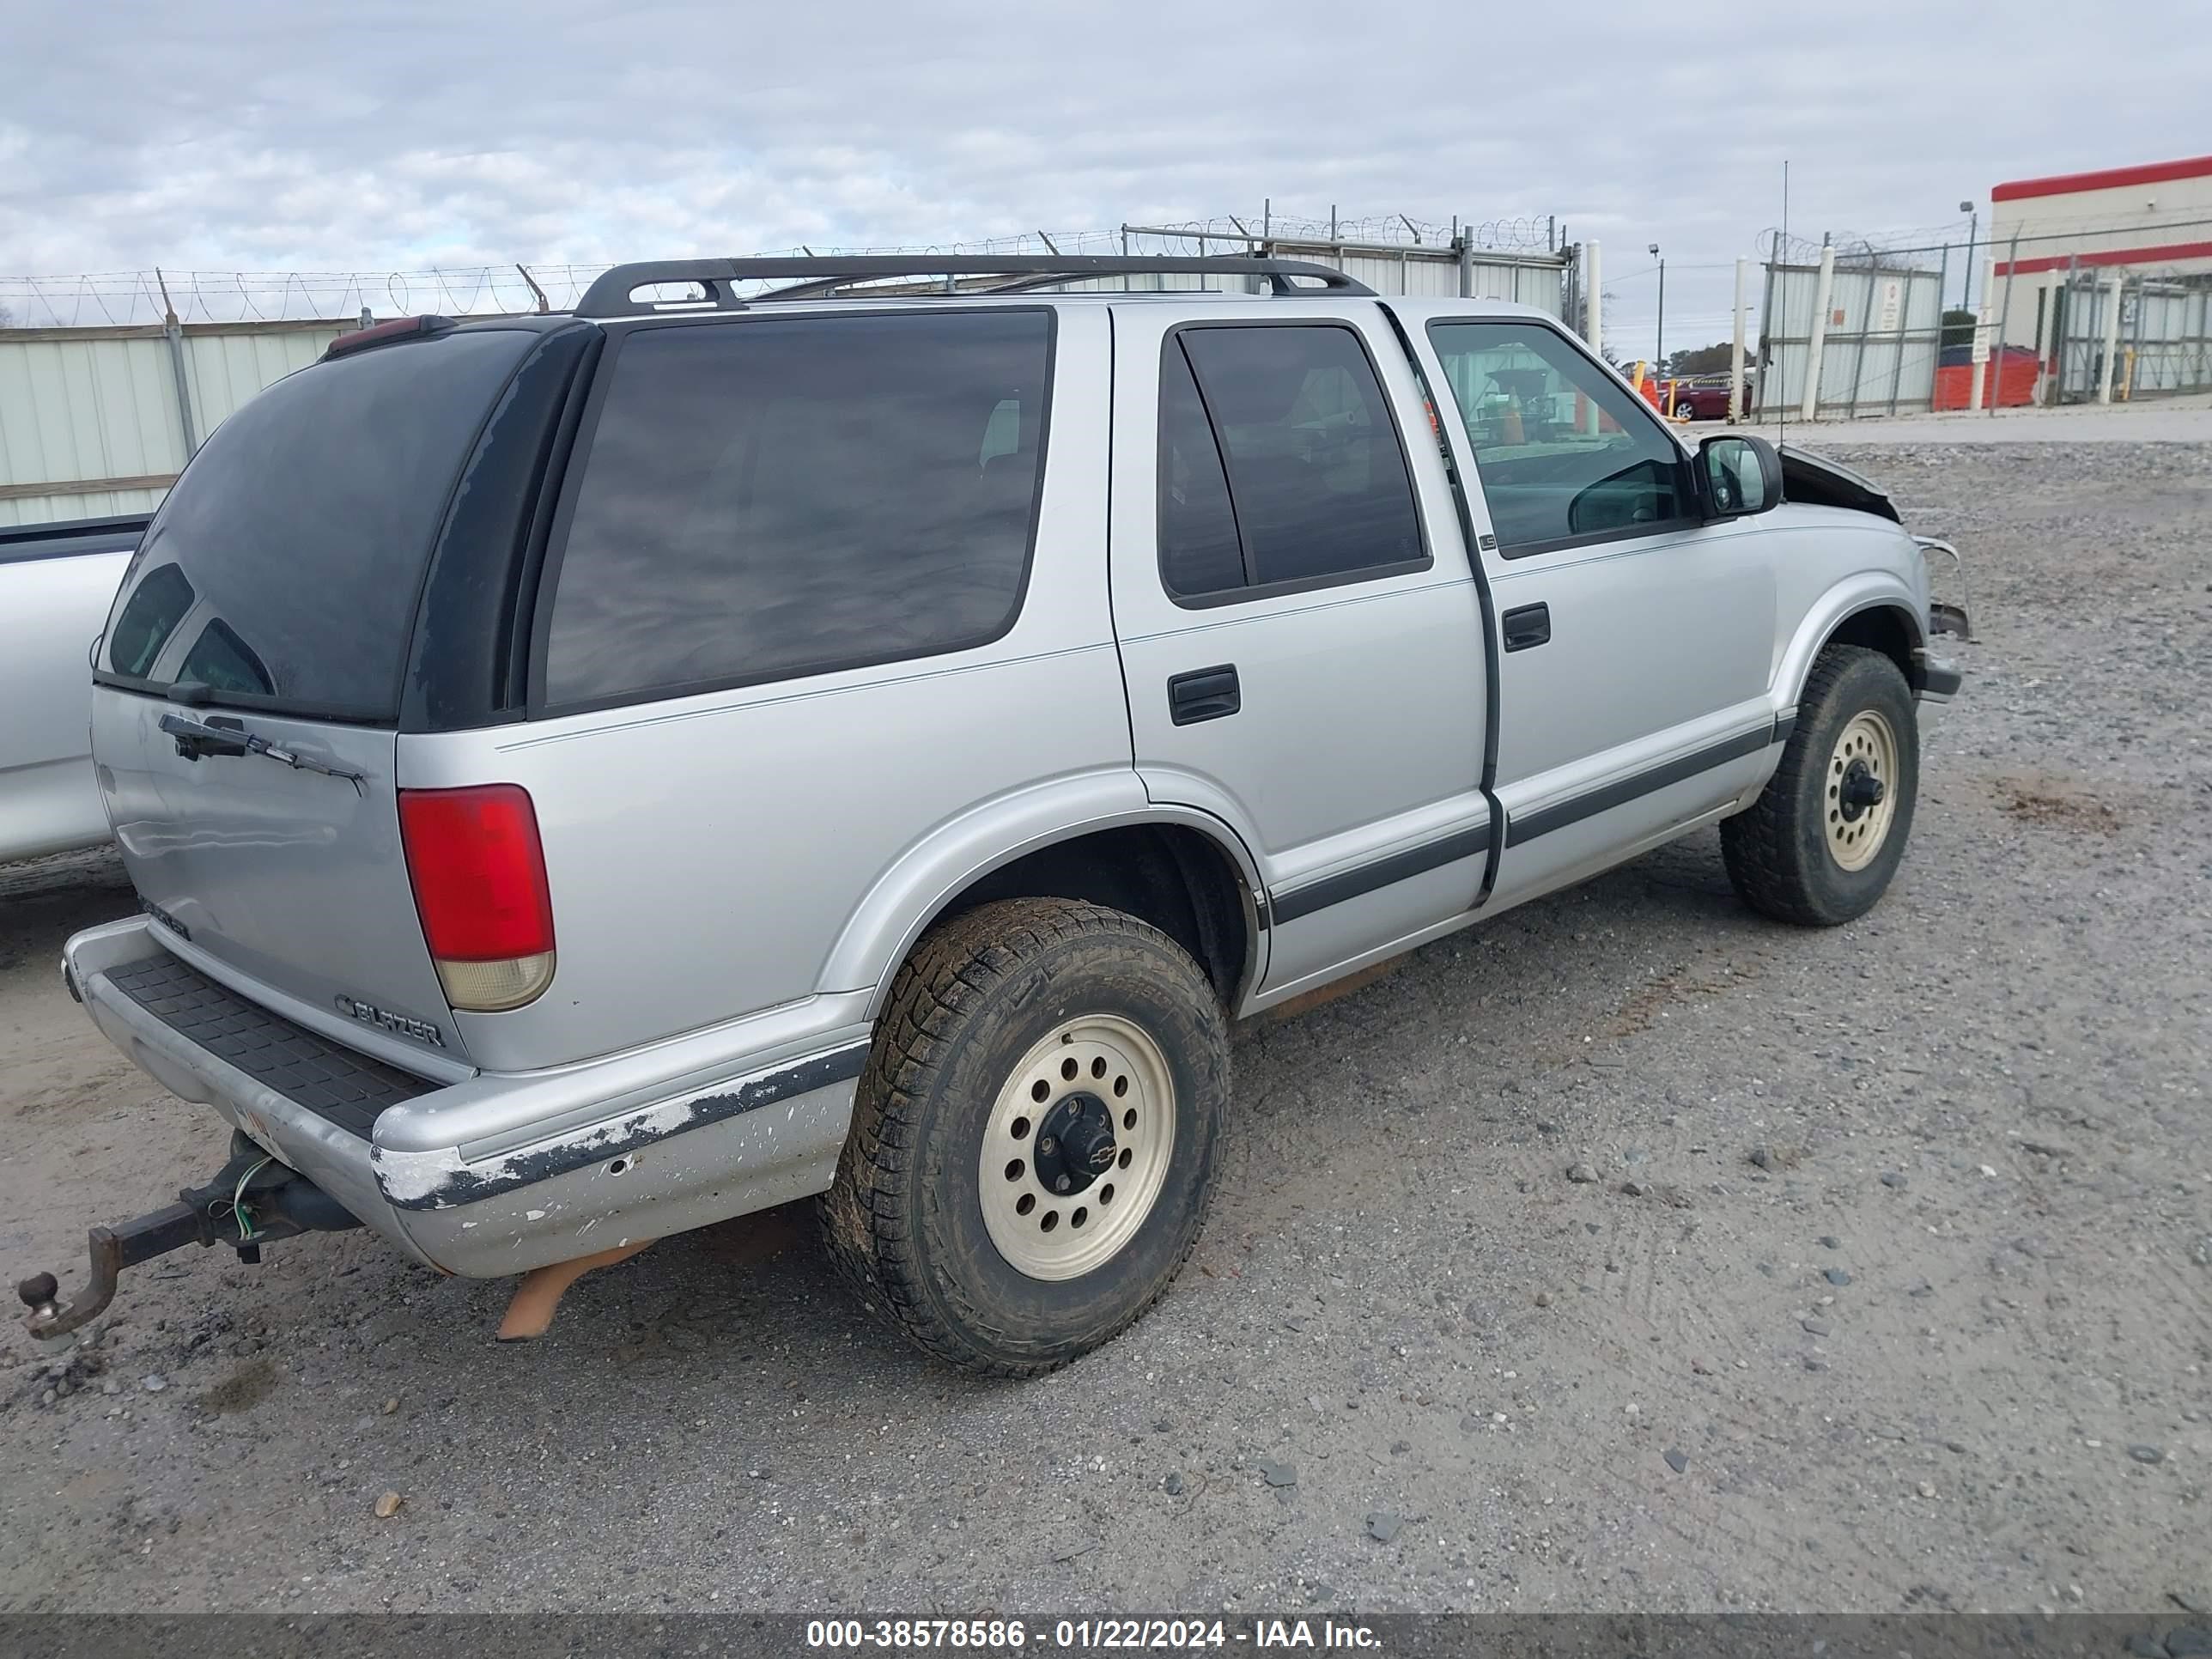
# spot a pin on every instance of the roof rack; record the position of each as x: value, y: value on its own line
x: 613, y: 294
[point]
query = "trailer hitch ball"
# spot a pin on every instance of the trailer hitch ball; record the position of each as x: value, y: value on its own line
x: 39, y: 1291
x: 283, y: 1204
x: 110, y: 1251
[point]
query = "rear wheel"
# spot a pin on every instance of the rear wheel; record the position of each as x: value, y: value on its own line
x: 1035, y: 1137
x: 1820, y: 846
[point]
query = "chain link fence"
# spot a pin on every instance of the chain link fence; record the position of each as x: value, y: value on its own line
x: 1852, y: 326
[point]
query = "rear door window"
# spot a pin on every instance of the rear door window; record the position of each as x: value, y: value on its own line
x: 768, y: 499
x: 1200, y: 552
x: 1294, y: 419
x: 304, y: 526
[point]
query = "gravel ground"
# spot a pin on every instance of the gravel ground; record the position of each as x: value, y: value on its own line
x: 2156, y: 420
x: 1913, y: 1312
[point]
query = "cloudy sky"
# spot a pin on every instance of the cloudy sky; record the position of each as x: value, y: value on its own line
x: 263, y: 135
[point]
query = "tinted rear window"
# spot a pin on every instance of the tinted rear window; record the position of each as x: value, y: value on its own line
x: 282, y: 570
x: 769, y: 499
x: 1319, y: 481
x: 1199, y: 550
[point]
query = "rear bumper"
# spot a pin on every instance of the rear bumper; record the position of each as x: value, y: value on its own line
x: 583, y: 1159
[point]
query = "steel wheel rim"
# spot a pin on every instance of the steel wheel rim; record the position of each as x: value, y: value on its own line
x: 1093, y: 1058
x: 1866, y: 748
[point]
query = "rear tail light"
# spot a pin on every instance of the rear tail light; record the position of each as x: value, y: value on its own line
x: 479, y: 870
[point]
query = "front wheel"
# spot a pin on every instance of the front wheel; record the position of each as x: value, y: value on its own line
x: 1821, y: 844
x: 1035, y: 1137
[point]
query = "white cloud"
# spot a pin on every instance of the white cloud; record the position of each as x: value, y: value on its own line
x: 233, y: 135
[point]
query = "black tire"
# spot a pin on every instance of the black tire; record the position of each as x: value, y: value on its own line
x: 904, y: 1219
x: 1779, y: 853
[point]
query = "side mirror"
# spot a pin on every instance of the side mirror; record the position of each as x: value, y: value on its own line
x: 1738, y: 475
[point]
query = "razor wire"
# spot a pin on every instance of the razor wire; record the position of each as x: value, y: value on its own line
x: 125, y: 298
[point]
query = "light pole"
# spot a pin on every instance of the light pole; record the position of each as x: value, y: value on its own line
x: 1659, y: 342
x: 1973, y: 224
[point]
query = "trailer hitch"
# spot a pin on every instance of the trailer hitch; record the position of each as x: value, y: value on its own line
x: 252, y: 1200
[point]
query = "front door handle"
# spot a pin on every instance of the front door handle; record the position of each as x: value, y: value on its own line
x: 1526, y: 626
x: 1204, y: 694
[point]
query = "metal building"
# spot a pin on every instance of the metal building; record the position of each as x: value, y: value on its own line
x: 100, y: 421
x: 2108, y: 277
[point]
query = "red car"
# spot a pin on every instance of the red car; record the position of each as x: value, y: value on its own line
x: 1705, y: 397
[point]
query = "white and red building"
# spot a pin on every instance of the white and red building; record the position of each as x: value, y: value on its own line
x: 2055, y: 244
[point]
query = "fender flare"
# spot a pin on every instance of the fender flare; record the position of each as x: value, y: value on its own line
x: 909, y: 895
x: 1870, y: 590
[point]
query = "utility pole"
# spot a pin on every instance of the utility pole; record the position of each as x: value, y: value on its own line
x: 174, y: 331
x: 1593, y: 300
x: 1981, y: 353
x: 1735, y: 358
x: 1823, y: 288
x: 1659, y: 339
x: 2111, y: 337
x: 2004, y: 311
x: 1973, y: 224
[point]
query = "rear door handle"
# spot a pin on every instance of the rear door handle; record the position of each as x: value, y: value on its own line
x: 1204, y: 694
x: 1526, y: 626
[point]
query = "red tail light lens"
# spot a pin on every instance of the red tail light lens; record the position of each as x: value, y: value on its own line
x: 479, y: 870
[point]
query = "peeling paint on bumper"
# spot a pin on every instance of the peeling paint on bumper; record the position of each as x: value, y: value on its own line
x: 644, y: 1165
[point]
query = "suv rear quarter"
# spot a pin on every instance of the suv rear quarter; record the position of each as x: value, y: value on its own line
x: 777, y: 621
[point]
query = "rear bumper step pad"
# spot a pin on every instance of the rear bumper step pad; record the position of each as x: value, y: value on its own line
x: 342, y: 1087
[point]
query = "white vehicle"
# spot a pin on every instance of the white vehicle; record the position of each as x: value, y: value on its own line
x: 57, y: 581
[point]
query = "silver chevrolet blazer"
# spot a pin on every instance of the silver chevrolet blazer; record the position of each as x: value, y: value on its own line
x: 867, y: 728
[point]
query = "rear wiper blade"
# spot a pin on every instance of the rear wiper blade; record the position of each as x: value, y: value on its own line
x: 196, y: 738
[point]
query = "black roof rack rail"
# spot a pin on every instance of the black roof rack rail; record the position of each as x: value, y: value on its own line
x: 611, y: 295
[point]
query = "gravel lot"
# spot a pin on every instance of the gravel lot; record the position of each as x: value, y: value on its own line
x: 2159, y: 421
x: 1914, y: 1312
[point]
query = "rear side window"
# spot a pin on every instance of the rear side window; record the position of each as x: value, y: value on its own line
x: 222, y: 662
x: 1200, y: 552
x: 159, y: 598
x: 292, y: 551
x: 1280, y: 464
x: 764, y: 500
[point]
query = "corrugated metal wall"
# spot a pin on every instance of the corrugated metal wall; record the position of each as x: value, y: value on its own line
x: 2171, y: 341
x: 1532, y: 279
x: 1538, y: 280
x: 2163, y: 347
x: 93, y: 413
x: 90, y: 424
x: 1881, y: 343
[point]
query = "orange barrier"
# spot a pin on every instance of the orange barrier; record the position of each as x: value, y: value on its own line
x: 2007, y: 383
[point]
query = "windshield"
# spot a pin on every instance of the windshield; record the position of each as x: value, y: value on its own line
x: 282, y: 571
